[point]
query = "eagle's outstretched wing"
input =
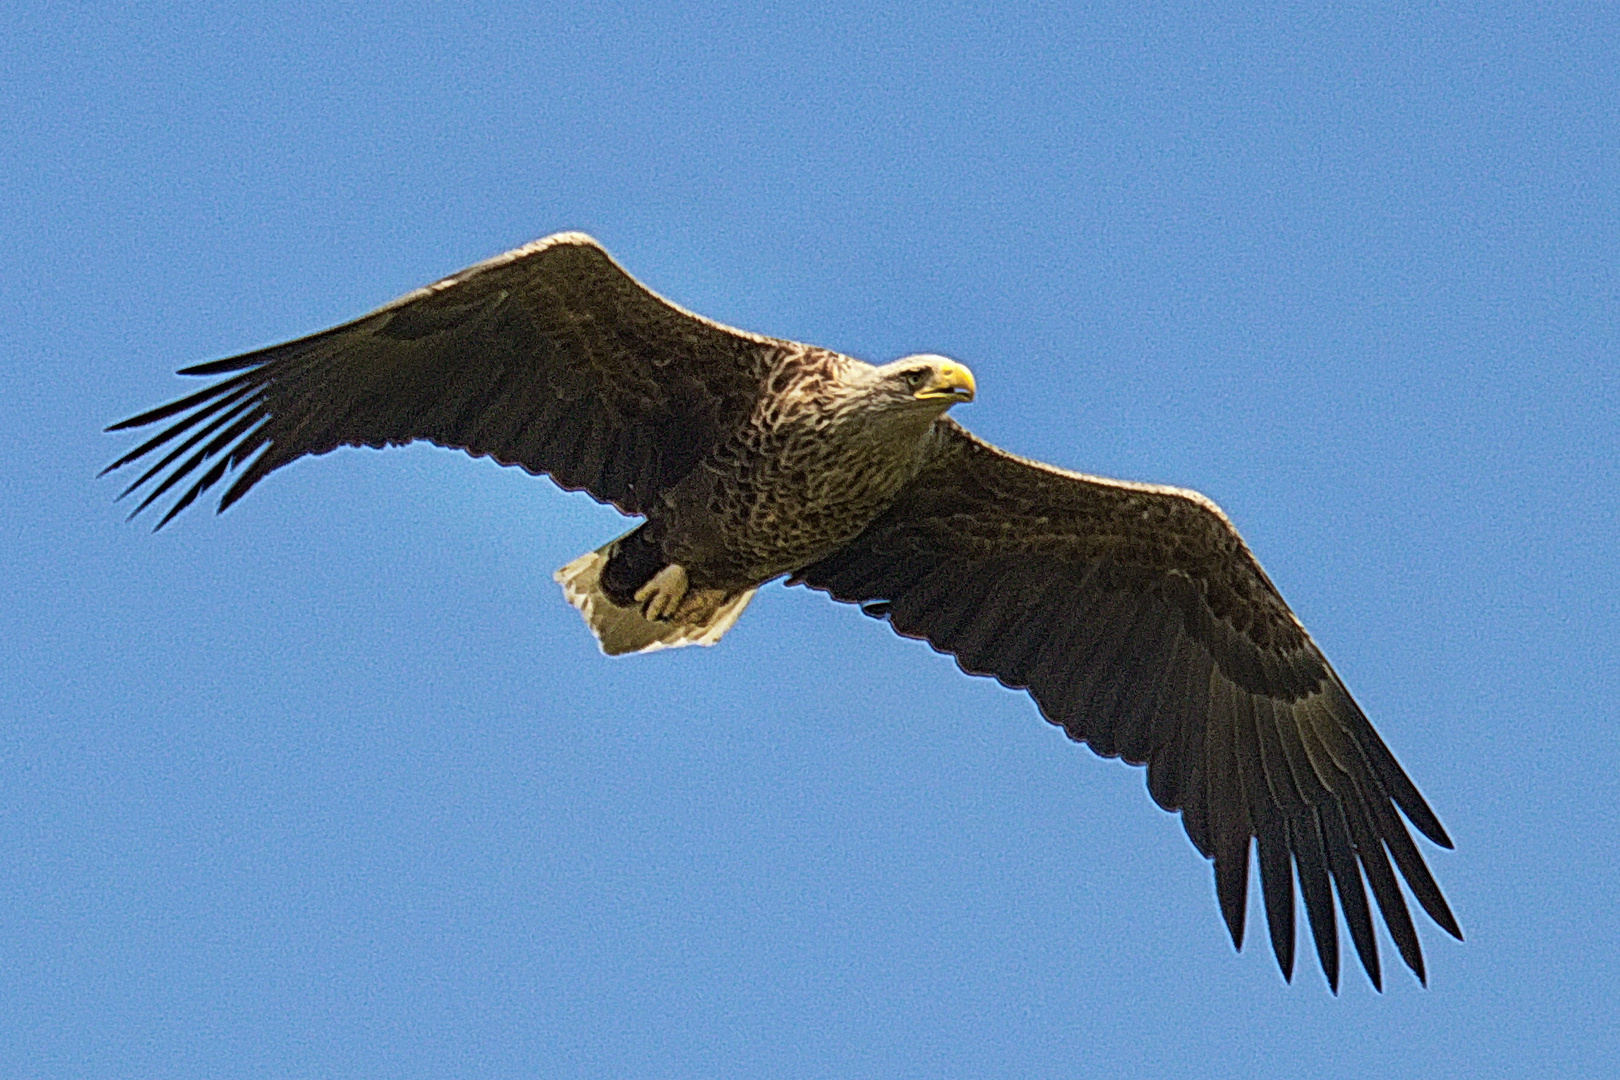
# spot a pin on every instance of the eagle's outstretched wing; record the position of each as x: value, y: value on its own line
x: 1139, y: 621
x: 549, y: 356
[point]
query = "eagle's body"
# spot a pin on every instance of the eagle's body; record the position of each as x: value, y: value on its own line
x: 798, y: 478
x: 1134, y: 614
x: 807, y: 470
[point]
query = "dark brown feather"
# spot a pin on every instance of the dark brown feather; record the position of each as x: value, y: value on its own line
x: 1141, y: 624
x: 550, y: 357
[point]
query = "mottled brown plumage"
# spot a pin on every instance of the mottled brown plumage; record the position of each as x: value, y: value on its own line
x: 1134, y: 614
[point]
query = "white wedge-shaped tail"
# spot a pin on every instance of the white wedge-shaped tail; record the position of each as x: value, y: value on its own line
x: 696, y: 616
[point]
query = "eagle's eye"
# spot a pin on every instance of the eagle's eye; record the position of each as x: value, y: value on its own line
x: 915, y: 378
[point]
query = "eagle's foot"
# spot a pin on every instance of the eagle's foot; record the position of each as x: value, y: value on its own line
x: 661, y: 596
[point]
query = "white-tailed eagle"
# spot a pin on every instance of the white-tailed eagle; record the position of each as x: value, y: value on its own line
x: 1134, y: 614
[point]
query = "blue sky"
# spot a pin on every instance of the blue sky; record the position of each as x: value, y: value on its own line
x: 336, y: 785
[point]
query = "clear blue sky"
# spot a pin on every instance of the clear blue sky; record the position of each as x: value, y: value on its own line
x: 336, y: 785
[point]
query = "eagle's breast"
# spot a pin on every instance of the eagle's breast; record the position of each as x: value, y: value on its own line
x: 813, y: 465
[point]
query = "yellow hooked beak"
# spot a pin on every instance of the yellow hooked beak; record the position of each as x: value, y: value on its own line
x: 949, y: 380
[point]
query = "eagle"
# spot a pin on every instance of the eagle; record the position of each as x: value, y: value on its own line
x: 1134, y: 614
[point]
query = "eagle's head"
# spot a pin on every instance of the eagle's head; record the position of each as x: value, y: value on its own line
x: 925, y: 382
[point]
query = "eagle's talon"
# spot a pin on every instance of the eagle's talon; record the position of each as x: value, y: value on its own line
x: 663, y: 594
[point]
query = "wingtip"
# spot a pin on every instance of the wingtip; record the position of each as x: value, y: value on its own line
x: 212, y: 367
x: 1428, y: 823
x: 181, y: 503
x: 1446, y: 920
x: 1235, y: 928
x: 1419, y: 814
